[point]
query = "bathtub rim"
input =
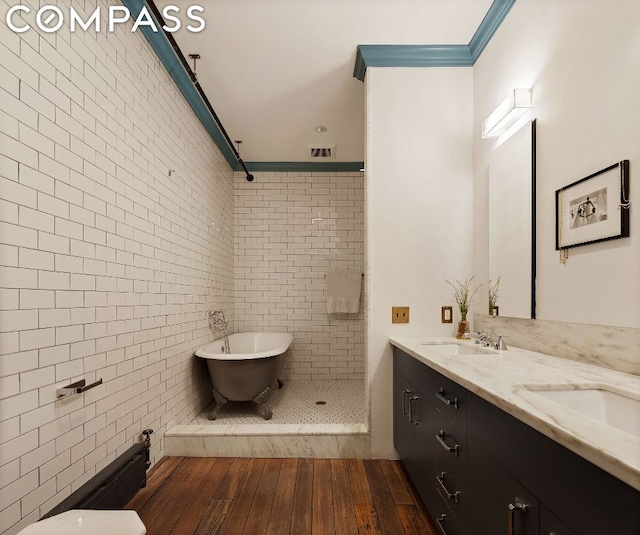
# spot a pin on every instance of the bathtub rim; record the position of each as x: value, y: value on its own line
x: 203, y: 352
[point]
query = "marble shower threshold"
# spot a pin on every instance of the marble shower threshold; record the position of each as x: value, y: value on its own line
x: 314, y: 419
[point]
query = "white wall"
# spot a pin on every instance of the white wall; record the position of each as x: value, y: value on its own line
x: 582, y: 59
x: 290, y: 228
x: 419, y: 188
x: 107, y: 264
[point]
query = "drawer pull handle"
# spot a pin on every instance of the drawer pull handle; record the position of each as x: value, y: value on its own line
x: 411, y: 413
x: 404, y: 400
x: 451, y: 449
x: 452, y: 402
x: 511, y: 511
x: 455, y: 496
x: 440, y: 521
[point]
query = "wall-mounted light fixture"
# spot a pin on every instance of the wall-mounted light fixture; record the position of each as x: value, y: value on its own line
x: 507, y: 113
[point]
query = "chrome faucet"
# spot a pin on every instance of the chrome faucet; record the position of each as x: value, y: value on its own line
x: 487, y: 340
x: 484, y: 339
x: 500, y: 345
x: 217, y: 322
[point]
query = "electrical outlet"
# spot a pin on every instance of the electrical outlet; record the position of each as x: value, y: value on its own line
x: 399, y: 314
x: 447, y: 314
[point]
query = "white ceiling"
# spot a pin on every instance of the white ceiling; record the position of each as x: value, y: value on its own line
x: 275, y: 69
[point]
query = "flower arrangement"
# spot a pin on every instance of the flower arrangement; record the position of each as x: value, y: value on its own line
x: 463, y: 295
x: 494, y: 294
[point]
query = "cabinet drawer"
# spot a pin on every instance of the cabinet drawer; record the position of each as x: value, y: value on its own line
x: 420, y: 375
x: 451, y: 467
x: 551, y: 525
x: 451, y: 400
x: 446, y: 522
x: 498, y: 503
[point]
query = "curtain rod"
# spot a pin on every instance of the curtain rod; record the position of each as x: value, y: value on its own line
x: 194, y: 79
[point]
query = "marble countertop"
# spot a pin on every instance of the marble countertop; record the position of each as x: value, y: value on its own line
x: 503, y: 378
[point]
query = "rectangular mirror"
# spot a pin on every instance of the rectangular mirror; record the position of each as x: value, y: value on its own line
x: 512, y: 223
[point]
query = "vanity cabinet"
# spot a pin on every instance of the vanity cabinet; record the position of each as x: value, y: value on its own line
x: 480, y: 471
x: 451, y: 448
x: 414, y: 424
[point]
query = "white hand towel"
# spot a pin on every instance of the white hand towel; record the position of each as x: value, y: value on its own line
x: 343, y: 291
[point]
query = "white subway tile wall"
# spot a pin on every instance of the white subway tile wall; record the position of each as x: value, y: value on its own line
x: 108, y: 265
x: 289, y: 229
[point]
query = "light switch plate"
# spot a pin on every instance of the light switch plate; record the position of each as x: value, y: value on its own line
x: 447, y: 314
x: 399, y: 314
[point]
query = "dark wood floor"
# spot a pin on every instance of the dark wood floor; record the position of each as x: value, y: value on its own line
x: 237, y: 496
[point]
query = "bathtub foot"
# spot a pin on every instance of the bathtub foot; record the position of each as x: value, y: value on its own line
x: 220, y: 402
x: 280, y: 383
x: 260, y: 400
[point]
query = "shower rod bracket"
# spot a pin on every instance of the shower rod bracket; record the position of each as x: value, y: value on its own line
x: 195, y: 58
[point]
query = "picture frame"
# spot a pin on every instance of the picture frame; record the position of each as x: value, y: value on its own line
x: 594, y: 209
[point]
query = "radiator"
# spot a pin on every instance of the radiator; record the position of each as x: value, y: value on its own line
x: 112, y: 487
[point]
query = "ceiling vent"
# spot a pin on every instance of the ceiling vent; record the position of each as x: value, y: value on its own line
x: 321, y: 152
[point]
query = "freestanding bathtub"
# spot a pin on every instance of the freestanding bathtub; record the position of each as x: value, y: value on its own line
x: 249, y: 372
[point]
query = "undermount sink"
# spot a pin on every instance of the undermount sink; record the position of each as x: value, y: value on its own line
x: 451, y: 349
x: 617, y: 409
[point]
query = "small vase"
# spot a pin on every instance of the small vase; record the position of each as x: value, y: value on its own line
x: 463, y: 328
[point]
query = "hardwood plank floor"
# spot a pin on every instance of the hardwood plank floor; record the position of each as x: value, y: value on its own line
x: 237, y: 496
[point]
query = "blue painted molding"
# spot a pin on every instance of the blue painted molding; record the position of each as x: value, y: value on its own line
x: 489, y: 25
x: 410, y: 56
x: 433, y: 55
x: 314, y: 167
x: 163, y: 49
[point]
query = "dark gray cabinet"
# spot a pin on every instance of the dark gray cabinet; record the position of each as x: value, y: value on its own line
x: 480, y: 471
x: 414, y: 423
x: 498, y: 503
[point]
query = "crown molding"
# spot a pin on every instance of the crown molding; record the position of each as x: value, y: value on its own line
x: 433, y: 55
x: 167, y: 55
x: 313, y: 167
x: 410, y: 56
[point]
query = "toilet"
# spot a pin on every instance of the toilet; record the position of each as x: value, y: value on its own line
x: 88, y: 521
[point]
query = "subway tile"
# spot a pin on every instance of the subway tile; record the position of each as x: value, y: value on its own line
x: 53, y: 206
x: 18, y: 404
x: 67, y: 335
x: 9, y: 82
x: 37, y: 457
x: 49, y: 356
x: 14, y: 107
x: 9, y: 299
x: 69, y: 299
x: 18, y: 193
x: 52, y: 468
x: 69, y: 264
x: 54, y: 317
x: 18, y: 320
x: 19, y: 488
x: 8, y: 168
x: 8, y: 259
x: 36, y: 180
x: 34, y: 259
x: 32, y: 138
x: 36, y: 379
x: 33, y: 500
x: 37, y: 339
x: 9, y: 386
x: 52, y: 243
x: 37, y: 102
x: 69, y: 229
x: 49, y: 280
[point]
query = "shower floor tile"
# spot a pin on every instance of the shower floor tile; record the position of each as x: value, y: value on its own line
x: 297, y: 404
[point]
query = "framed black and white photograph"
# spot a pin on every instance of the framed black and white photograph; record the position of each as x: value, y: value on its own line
x: 594, y: 208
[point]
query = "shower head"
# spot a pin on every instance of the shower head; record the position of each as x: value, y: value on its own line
x: 249, y: 177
